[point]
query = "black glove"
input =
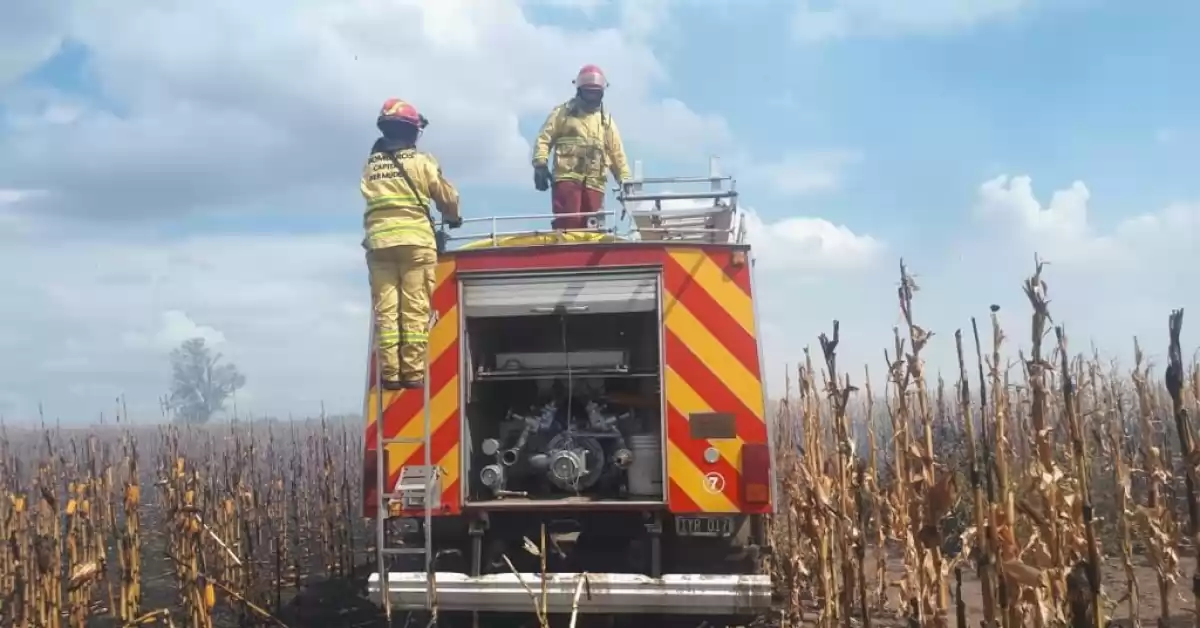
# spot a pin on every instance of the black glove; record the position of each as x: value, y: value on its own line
x: 541, y: 177
x: 454, y: 222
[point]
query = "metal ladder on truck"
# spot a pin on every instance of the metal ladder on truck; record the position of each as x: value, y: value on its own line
x: 664, y: 208
x: 409, y: 491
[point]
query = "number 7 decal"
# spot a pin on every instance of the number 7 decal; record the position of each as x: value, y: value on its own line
x: 714, y: 482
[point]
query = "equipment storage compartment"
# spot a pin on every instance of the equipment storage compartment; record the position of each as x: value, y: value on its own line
x: 565, y: 388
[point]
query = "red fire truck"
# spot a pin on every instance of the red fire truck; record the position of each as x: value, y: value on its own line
x: 602, y: 387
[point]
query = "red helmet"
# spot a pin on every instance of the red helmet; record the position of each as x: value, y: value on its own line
x: 397, y: 110
x: 591, y: 76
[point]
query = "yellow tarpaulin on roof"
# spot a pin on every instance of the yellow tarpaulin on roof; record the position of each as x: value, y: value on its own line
x: 536, y: 239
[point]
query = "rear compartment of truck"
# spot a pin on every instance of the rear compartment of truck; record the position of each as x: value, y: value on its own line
x: 562, y: 377
x: 593, y: 422
x: 563, y: 390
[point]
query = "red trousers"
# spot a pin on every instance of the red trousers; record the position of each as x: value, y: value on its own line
x: 571, y: 197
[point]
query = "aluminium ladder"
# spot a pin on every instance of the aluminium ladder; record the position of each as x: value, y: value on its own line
x: 402, y: 491
x: 672, y: 214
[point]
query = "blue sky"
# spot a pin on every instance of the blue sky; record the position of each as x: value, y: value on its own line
x: 169, y: 147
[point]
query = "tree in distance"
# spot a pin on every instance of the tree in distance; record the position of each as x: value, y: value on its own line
x: 200, y: 383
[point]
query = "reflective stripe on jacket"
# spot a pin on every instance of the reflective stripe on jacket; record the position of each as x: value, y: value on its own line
x: 394, y: 213
x: 585, y: 144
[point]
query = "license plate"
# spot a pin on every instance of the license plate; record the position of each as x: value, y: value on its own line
x: 704, y: 526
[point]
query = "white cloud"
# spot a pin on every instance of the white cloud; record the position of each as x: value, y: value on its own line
x: 643, y: 17
x: 801, y: 173
x: 671, y: 118
x: 821, y: 21
x: 588, y: 7
x: 228, y: 105
x: 1060, y: 228
x: 12, y: 219
x: 62, y: 113
x: 213, y: 103
x: 174, y: 328
x: 800, y: 245
x: 293, y: 310
x: 807, y: 245
x: 1063, y: 231
x: 10, y: 197
x: 98, y: 318
x: 30, y: 34
x: 1107, y: 284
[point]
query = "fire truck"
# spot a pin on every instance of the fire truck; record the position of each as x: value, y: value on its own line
x: 592, y: 430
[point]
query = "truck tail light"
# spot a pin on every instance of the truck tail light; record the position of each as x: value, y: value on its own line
x: 756, y: 473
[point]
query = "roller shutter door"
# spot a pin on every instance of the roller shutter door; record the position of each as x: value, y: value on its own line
x: 574, y: 293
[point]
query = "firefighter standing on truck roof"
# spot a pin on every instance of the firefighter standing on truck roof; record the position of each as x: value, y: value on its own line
x: 585, y: 142
x: 402, y: 248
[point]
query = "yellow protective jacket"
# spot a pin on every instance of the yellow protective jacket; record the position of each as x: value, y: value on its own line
x: 396, y: 214
x: 585, y: 144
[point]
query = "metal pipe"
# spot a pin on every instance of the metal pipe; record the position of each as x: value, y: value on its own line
x: 380, y: 501
x: 430, y: 476
x: 494, y: 219
x: 685, y: 230
x: 533, y: 232
x: 683, y: 179
x: 678, y: 196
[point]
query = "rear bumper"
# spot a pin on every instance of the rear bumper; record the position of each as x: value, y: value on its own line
x: 683, y: 594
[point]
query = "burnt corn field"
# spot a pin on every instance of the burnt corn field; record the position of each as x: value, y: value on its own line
x: 233, y: 524
x: 1037, y: 487
x: 1034, y: 486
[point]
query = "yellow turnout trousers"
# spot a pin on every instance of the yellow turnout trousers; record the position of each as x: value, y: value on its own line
x: 402, y: 280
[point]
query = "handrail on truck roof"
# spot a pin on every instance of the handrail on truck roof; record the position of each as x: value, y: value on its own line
x: 651, y: 210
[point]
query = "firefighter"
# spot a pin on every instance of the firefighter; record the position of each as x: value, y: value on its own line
x: 585, y: 142
x: 397, y: 184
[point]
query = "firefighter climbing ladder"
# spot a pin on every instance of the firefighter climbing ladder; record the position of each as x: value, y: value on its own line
x: 405, y: 488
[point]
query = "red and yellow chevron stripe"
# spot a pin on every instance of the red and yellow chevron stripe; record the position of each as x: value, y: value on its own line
x: 403, y: 415
x: 712, y: 365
